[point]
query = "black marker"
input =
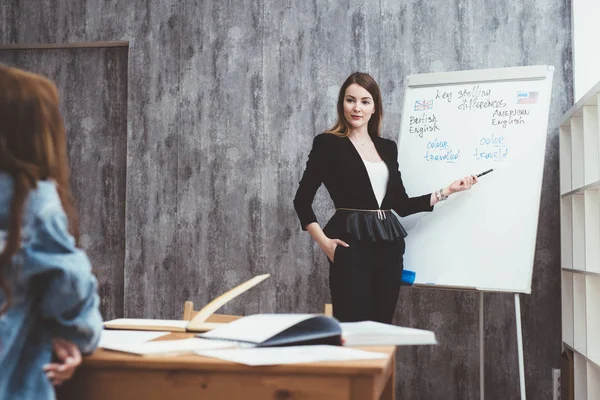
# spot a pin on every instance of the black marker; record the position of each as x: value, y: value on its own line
x: 485, y: 172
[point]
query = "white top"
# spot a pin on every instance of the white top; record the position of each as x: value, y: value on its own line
x: 379, y: 176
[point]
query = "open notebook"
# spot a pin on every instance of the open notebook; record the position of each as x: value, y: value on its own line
x: 264, y: 331
x: 270, y: 330
x: 197, y: 324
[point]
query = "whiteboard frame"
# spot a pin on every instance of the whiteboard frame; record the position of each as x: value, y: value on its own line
x: 479, y: 75
x: 522, y: 73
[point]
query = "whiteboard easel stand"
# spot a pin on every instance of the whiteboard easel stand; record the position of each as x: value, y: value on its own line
x: 519, y: 347
x: 481, y: 336
x: 419, y: 90
x: 481, y: 352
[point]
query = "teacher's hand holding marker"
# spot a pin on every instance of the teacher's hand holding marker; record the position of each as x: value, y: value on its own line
x: 458, y: 185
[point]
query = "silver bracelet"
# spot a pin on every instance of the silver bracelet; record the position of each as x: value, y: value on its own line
x: 440, y: 195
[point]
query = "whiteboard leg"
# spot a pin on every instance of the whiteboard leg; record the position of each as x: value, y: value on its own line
x: 481, y: 353
x: 520, y: 345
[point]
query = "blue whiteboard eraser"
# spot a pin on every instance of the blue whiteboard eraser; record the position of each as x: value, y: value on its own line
x: 408, y: 277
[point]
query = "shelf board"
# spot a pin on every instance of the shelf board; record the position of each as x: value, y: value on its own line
x: 581, y: 354
x: 581, y: 271
x: 588, y: 99
x: 580, y: 190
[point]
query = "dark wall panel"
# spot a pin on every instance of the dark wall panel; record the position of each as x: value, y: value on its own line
x: 93, y: 88
x: 150, y: 262
x: 222, y: 155
x: 303, y: 73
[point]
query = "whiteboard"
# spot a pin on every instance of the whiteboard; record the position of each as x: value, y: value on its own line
x: 462, y: 123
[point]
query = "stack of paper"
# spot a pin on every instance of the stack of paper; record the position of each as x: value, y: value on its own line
x: 170, y: 347
x: 369, y: 333
x: 171, y: 325
x: 108, y: 338
x: 291, y: 355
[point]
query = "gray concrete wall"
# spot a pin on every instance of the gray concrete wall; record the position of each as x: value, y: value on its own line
x: 93, y: 95
x: 224, y: 100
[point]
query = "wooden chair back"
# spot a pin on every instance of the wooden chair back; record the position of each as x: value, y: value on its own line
x: 189, y: 314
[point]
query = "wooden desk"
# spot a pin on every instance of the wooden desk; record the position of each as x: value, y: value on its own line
x: 112, y: 375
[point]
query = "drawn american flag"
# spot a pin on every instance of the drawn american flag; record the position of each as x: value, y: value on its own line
x: 423, y: 105
x: 527, y: 97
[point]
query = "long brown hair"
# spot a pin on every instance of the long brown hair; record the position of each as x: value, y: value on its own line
x: 341, y: 127
x: 32, y: 148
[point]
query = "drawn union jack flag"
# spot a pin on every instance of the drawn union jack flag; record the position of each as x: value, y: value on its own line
x: 527, y: 97
x: 423, y: 105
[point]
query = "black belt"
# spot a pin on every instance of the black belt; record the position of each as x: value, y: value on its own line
x: 380, y: 212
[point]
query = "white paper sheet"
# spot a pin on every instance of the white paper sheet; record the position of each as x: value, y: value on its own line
x: 170, y: 347
x: 369, y: 333
x: 291, y: 355
x: 257, y: 328
x: 120, y: 337
x: 157, y: 323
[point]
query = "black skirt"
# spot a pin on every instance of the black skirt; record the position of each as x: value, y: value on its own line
x: 367, y: 225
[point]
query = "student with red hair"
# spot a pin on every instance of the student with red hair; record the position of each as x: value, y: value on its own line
x: 49, y: 311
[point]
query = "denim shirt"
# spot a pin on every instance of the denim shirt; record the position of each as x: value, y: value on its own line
x: 54, y: 294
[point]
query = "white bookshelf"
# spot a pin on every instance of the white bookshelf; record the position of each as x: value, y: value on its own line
x: 580, y: 240
x: 592, y: 292
x: 578, y: 231
x: 579, y: 314
x: 577, y: 153
x: 566, y: 232
x: 593, y: 381
x: 590, y: 141
x: 565, y: 159
x: 580, y: 372
x: 567, y: 308
x: 592, y: 229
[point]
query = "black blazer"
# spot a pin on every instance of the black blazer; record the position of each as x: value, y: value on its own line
x: 335, y: 162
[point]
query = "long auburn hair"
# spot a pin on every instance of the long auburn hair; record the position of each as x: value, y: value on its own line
x: 32, y: 148
x: 342, y: 127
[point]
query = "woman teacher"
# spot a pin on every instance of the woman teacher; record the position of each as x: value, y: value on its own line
x: 363, y: 241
